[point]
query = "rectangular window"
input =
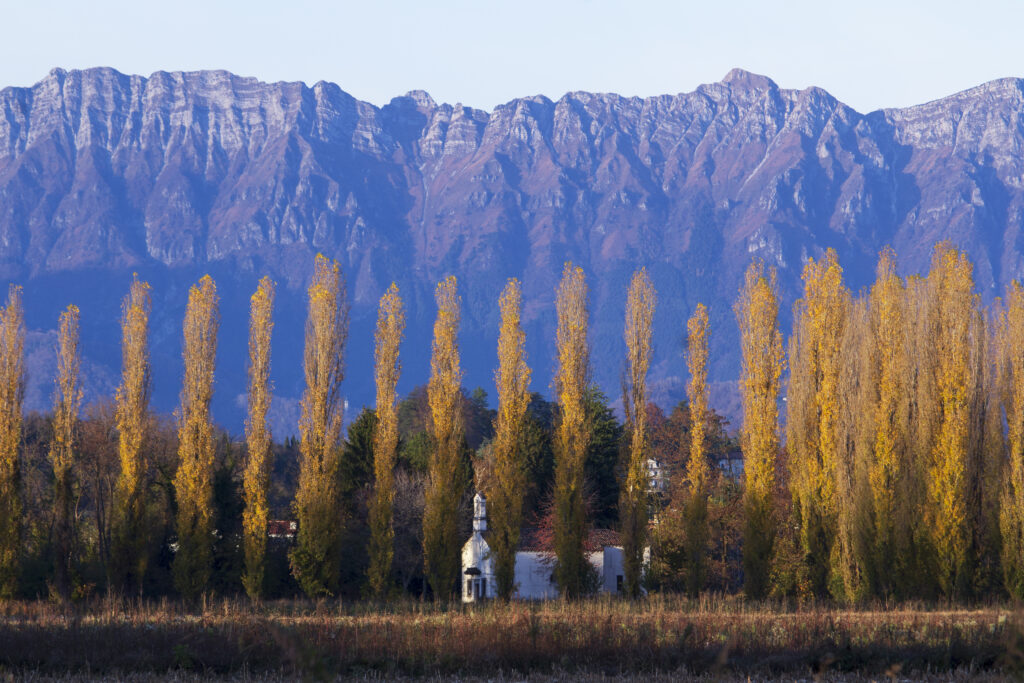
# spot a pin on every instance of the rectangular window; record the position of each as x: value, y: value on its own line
x: 618, y: 583
x: 469, y: 588
x: 483, y: 588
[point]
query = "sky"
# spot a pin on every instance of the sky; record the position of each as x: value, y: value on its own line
x: 482, y: 53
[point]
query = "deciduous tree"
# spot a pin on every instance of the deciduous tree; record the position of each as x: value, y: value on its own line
x: 952, y: 326
x: 512, y: 379
x: 390, y: 326
x: 763, y: 361
x: 445, y: 480
x: 889, y: 469
x: 193, y: 481
x: 316, y: 557
x: 258, y: 438
x: 67, y: 399
x: 129, y: 553
x: 813, y: 415
x: 572, y: 434
x: 695, y: 509
x: 1011, y: 515
x: 12, y: 391
x: 633, y: 502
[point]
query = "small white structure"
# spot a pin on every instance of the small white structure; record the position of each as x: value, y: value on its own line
x: 656, y: 476
x: 534, y: 569
x: 477, y: 563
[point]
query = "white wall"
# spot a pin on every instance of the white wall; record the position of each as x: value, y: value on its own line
x: 476, y: 553
x: 533, y: 576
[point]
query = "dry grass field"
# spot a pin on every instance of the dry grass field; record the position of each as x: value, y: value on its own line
x: 658, y: 637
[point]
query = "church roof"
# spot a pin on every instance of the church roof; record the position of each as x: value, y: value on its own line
x: 534, y: 539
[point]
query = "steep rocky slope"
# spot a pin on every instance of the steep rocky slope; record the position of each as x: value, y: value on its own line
x: 177, y: 174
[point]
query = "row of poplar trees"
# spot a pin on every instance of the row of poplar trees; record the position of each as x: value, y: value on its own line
x: 902, y: 473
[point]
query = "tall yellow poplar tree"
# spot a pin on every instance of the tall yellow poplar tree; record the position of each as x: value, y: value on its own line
x: 813, y: 416
x: 1011, y: 512
x: 888, y: 470
x: 258, y: 438
x: 506, y: 497
x: 67, y: 399
x: 851, y: 566
x: 193, y: 482
x: 952, y: 326
x: 695, y: 510
x: 129, y: 556
x: 572, y: 432
x: 441, y: 544
x: 12, y: 391
x: 390, y: 326
x: 987, y: 452
x: 923, y: 422
x: 316, y: 558
x: 634, y: 496
x: 763, y: 361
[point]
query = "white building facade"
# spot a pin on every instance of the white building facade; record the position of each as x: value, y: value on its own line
x: 534, y: 569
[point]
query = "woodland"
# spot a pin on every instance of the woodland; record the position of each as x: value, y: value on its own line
x: 882, y: 447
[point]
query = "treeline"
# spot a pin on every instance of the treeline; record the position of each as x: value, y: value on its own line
x: 901, y: 473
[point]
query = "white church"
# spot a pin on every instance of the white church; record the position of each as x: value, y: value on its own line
x: 534, y: 571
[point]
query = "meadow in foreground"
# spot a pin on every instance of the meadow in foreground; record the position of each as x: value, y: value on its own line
x: 708, y: 637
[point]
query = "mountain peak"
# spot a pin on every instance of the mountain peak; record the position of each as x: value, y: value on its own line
x: 741, y: 78
x: 422, y: 99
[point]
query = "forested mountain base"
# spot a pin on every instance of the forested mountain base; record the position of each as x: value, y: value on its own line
x: 898, y: 473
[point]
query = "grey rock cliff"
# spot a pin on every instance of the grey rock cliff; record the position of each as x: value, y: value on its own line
x: 103, y: 174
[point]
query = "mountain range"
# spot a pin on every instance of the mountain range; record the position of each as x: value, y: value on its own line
x: 174, y: 175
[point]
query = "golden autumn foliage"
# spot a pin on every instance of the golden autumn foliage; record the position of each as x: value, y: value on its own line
x: 1011, y: 517
x: 902, y: 474
x: 12, y: 392
x: 512, y: 380
x: 633, y: 502
x: 388, y: 337
x: 193, y: 481
x: 67, y: 399
x: 889, y: 472
x: 952, y: 325
x: 572, y: 431
x: 441, y: 543
x: 316, y: 557
x: 258, y: 438
x: 813, y: 416
x: 763, y: 360
x: 129, y: 556
x: 695, y: 510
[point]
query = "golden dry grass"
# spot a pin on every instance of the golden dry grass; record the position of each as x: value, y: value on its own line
x: 718, y: 637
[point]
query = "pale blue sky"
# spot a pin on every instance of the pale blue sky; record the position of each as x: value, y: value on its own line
x: 869, y: 54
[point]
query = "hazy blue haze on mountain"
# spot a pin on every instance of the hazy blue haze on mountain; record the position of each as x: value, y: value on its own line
x: 179, y: 174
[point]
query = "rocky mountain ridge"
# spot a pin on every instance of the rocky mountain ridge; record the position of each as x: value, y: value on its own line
x: 104, y: 174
